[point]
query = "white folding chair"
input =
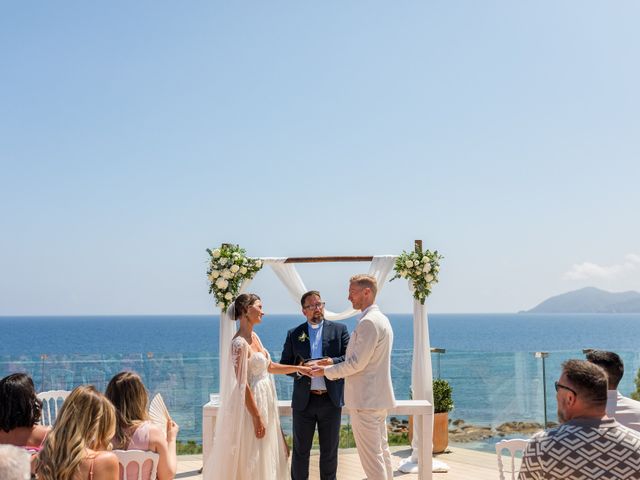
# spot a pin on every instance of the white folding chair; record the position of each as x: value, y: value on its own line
x: 514, y: 445
x: 140, y: 457
x: 52, y: 400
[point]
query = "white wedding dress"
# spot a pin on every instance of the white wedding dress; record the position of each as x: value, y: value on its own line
x: 237, y: 452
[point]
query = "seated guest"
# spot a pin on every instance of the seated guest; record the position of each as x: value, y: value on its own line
x: 625, y: 410
x: 588, y: 444
x: 14, y: 463
x: 134, y: 431
x: 76, y: 448
x: 20, y: 411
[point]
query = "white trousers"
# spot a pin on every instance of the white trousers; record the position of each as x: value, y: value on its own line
x: 370, y: 434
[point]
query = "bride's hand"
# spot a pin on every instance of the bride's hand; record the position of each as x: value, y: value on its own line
x: 258, y: 427
x: 304, y: 370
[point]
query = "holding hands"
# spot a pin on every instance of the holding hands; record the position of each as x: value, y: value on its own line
x: 315, y: 368
x: 303, y: 370
x: 318, y: 371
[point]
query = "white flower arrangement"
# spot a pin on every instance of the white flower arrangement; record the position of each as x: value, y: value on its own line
x: 421, y: 269
x: 228, y: 267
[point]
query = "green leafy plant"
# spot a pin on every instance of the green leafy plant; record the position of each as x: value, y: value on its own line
x: 636, y: 395
x: 188, y: 448
x: 442, y: 399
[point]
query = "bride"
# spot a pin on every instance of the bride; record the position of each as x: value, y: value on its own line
x: 248, y: 443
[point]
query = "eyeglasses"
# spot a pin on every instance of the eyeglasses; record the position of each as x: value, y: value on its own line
x: 315, y: 306
x: 559, y: 385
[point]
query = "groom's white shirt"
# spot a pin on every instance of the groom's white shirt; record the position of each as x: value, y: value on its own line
x: 367, y: 363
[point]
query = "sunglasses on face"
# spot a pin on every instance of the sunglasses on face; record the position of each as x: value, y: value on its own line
x: 559, y: 385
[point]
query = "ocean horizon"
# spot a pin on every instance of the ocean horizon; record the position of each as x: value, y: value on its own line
x: 489, y: 358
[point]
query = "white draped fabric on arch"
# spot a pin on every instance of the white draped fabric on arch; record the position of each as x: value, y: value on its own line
x: 381, y: 266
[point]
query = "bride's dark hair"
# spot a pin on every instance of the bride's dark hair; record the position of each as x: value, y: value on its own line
x: 242, y: 304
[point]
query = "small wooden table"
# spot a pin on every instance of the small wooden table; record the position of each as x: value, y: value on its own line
x: 421, y: 410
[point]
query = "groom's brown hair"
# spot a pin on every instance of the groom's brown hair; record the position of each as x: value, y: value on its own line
x: 365, y: 281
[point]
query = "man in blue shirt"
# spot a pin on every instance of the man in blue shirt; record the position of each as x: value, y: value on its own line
x: 316, y: 401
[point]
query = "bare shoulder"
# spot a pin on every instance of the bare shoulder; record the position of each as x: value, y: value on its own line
x: 39, y: 433
x: 106, y: 465
x: 156, y: 437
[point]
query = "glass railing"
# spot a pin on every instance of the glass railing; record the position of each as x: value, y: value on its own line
x: 491, y: 391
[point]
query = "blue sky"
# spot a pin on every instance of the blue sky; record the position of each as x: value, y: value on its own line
x: 133, y: 135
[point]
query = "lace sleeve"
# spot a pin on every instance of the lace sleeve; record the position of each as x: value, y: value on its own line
x: 239, y: 352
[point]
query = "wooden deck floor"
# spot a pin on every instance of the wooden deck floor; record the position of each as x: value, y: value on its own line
x: 463, y: 464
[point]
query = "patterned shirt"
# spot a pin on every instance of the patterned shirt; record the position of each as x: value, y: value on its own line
x: 583, y: 449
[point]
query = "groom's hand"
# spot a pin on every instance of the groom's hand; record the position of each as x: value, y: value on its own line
x: 324, y: 362
x: 317, y: 371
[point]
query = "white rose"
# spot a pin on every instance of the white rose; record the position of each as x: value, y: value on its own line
x: 223, y: 261
x: 436, y: 268
x: 235, y: 268
x: 226, y: 274
x: 216, y: 253
x: 426, y: 268
x: 243, y: 270
x: 221, y: 283
x: 425, y: 259
x: 408, y: 264
x: 228, y: 296
x: 429, y: 278
x: 259, y: 263
x: 215, y: 273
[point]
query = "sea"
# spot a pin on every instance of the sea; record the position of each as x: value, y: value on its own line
x: 489, y: 359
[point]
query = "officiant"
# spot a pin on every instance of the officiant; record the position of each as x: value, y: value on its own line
x: 317, y: 402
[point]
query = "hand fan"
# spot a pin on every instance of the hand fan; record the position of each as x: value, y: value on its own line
x: 158, y: 413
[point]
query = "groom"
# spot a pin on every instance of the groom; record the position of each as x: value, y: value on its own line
x: 316, y: 401
x: 368, y: 389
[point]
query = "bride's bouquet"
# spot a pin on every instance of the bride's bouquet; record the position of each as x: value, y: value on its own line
x: 421, y: 269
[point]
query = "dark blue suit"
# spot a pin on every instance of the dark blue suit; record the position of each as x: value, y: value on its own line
x: 309, y: 409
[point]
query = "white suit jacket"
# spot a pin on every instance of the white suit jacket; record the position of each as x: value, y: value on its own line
x: 625, y: 410
x: 367, y: 364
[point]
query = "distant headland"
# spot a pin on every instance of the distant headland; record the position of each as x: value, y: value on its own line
x: 590, y: 300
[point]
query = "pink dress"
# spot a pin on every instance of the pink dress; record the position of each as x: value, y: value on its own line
x: 139, y: 441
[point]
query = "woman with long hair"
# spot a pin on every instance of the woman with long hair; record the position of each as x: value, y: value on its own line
x: 248, y: 442
x: 20, y: 412
x: 77, y: 447
x: 134, y: 430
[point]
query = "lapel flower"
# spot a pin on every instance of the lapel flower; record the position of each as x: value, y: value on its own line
x: 303, y: 337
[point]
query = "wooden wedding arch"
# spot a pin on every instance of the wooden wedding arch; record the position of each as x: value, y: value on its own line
x: 422, y: 389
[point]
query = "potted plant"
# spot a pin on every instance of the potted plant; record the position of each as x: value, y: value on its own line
x: 442, y: 405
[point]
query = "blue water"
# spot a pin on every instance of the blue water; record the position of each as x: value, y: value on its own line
x: 489, y: 357
x: 189, y: 333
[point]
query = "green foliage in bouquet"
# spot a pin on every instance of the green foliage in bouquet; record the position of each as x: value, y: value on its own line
x: 228, y: 267
x: 421, y: 269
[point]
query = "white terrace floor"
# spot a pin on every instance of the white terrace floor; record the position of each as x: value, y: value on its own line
x: 463, y: 465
